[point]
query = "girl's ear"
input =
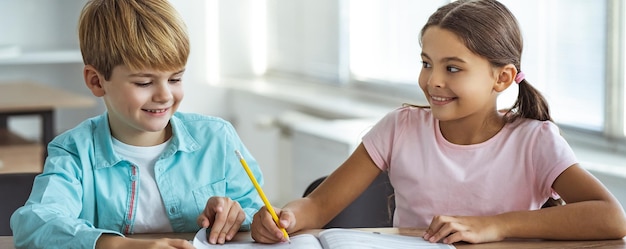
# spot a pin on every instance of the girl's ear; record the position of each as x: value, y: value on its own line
x: 93, y: 80
x: 506, y: 76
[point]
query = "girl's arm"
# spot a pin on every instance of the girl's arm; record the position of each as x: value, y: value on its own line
x: 591, y: 213
x: 339, y: 189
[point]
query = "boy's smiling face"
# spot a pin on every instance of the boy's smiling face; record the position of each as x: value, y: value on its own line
x: 141, y: 103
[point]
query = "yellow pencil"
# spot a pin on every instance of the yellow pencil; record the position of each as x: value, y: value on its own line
x: 260, y: 190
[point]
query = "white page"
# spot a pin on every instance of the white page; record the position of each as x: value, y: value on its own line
x: 353, y: 239
x: 304, y: 241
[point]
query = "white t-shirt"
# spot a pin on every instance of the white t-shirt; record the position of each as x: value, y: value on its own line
x: 151, y: 216
x: 514, y: 170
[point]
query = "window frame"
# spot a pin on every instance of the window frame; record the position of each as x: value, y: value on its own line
x: 614, y: 85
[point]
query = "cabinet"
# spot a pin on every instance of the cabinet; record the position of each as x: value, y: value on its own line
x: 39, y: 43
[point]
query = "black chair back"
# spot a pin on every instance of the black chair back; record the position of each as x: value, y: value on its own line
x: 373, y: 208
x: 14, y: 191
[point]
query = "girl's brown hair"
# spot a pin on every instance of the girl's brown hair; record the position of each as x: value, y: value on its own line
x: 490, y: 30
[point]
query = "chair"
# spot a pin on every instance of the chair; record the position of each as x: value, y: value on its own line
x: 373, y: 208
x: 14, y: 191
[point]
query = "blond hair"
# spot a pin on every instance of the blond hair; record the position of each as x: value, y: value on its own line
x: 139, y: 34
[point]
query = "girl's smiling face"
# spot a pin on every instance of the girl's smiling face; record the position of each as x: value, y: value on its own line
x: 458, y: 84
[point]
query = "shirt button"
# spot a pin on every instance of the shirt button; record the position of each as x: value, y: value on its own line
x: 133, y: 178
x: 172, y: 210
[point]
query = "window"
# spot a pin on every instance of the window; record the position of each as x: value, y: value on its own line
x: 384, y: 39
x: 565, y: 56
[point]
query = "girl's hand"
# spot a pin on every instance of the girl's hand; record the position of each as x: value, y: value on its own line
x: 224, y: 216
x: 114, y: 241
x: 265, y: 230
x: 472, y: 229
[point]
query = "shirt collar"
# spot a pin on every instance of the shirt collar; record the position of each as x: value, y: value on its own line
x: 105, y: 156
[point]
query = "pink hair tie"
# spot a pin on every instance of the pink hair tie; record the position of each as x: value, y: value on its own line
x: 519, y: 77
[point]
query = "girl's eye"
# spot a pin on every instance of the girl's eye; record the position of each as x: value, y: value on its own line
x: 175, y: 80
x: 453, y: 69
x: 426, y: 65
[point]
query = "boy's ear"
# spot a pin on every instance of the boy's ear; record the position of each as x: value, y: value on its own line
x: 93, y: 80
x: 506, y: 76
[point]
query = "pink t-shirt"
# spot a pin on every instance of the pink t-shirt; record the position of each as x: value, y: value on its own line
x: 514, y: 170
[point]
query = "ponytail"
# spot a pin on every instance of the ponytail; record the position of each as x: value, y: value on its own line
x: 529, y: 104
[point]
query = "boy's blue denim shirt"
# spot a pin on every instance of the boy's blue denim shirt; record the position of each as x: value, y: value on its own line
x: 86, y: 189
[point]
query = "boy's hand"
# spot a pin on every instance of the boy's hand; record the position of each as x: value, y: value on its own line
x: 265, y: 230
x: 472, y: 229
x: 224, y: 216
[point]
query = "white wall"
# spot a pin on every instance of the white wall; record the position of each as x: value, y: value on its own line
x: 304, y: 38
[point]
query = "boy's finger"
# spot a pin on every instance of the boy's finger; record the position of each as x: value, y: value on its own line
x: 203, y: 221
x: 214, y: 205
x: 218, y: 225
x: 229, y: 221
x: 241, y: 216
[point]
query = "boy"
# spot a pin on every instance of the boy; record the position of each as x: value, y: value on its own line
x: 141, y: 167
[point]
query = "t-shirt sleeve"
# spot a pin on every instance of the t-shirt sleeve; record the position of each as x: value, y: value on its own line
x: 379, y: 140
x: 551, y: 156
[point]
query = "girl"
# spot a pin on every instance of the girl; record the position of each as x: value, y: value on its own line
x: 461, y: 168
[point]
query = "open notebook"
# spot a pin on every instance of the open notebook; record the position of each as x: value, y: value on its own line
x: 335, y: 238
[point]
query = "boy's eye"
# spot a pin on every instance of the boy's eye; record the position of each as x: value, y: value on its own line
x: 453, y: 69
x: 142, y: 84
x: 175, y: 80
x: 426, y: 64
